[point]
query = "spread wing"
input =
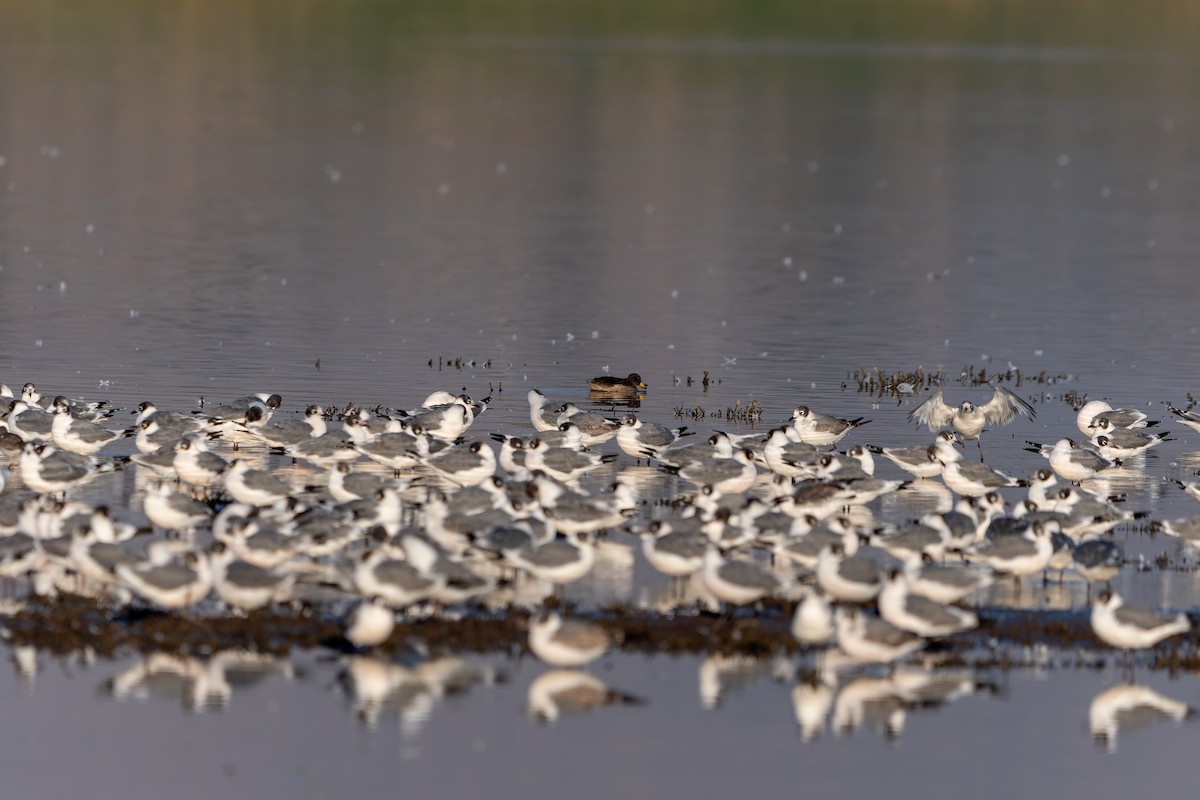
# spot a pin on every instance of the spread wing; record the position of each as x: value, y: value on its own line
x: 933, y: 412
x: 1005, y: 405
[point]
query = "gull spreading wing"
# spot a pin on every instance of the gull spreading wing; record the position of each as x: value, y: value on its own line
x: 1003, y: 406
x: 934, y: 412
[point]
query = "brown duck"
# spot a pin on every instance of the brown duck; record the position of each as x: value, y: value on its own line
x: 619, y: 387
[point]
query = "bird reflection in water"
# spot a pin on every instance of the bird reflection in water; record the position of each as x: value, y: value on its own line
x: 410, y: 691
x: 1129, y: 707
x: 882, y: 703
x: 572, y: 691
x: 199, y: 684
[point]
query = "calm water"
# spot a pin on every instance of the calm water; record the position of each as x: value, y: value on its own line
x: 210, y: 199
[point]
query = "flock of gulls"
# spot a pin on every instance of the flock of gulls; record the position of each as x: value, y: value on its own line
x: 391, y: 512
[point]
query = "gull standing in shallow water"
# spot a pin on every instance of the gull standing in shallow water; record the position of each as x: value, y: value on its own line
x: 1070, y: 461
x: 1132, y: 627
x: 967, y: 478
x: 872, y: 640
x: 820, y: 430
x: 970, y: 419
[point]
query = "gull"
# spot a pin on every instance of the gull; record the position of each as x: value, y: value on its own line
x: 398, y: 450
x: 512, y: 455
x: 20, y: 554
x: 542, y: 412
x: 559, y: 561
x: 1128, y: 627
x: 1097, y: 560
x: 465, y: 465
x: 561, y: 463
x: 228, y: 416
x: 47, y: 470
x: 848, y: 578
x: 1017, y: 554
x: 195, y: 465
x: 572, y: 691
x: 395, y: 582
x: 1187, y: 529
x: 567, y: 643
x: 256, y: 487
x: 174, y: 585
x: 167, y: 419
x: 918, y: 614
x: 1192, y: 489
x: 726, y: 475
x: 574, y: 513
x: 243, y: 585
x: 636, y: 435
x: 793, y: 459
x: 820, y: 430
x: 595, y: 429
x: 381, y: 508
x: 816, y: 499
x: 345, y: 484
x: 1042, y: 485
x: 31, y: 424
x: 568, y: 435
x: 1087, y: 515
x: 260, y: 543
x: 735, y: 581
x: 943, y: 583
x: 1118, y: 443
x: 283, y: 433
x: 913, y: 538
x: 161, y: 461
x: 326, y: 449
x: 1186, y: 416
x: 812, y: 624
x: 95, y: 559
x: 872, y: 640
x: 1070, y: 461
x: 172, y: 510
x: 959, y: 526
x: 969, y: 419
x: 865, y: 458
x: 369, y: 624
x: 1117, y: 417
x: 673, y: 552
x: 805, y: 548
x: 453, y: 581
x: 718, y: 445
x: 446, y: 422
x: 150, y: 434
x: 79, y: 435
x: 970, y: 479
x: 847, y: 473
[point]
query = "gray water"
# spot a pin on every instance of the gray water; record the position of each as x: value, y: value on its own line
x: 320, y: 200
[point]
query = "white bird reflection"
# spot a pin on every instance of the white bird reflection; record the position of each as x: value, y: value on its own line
x: 1129, y: 707
x: 572, y: 691
x: 198, y: 684
x: 411, y: 692
x: 721, y: 675
x: 881, y: 703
